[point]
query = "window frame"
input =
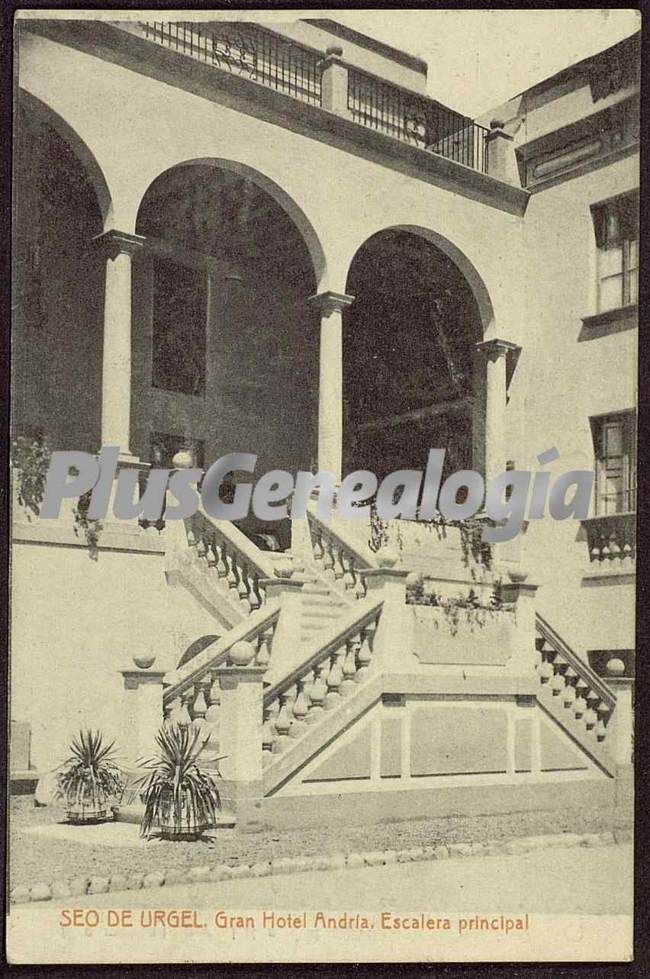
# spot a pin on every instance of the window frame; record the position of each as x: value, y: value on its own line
x: 627, y: 204
x: 628, y: 464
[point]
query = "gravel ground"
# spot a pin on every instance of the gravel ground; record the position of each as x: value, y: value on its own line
x: 33, y: 859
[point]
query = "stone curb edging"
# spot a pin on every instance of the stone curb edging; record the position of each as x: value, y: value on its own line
x: 81, y: 886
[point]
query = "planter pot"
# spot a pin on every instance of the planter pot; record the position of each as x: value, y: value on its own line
x: 167, y: 831
x: 83, y: 815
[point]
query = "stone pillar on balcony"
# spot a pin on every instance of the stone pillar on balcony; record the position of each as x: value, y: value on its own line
x: 495, y: 353
x: 393, y: 645
x: 142, y: 713
x: 620, y: 728
x: 519, y: 592
x: 334, y: 82
x: 330, y: 389
x: 501, y: 159
x: 240, y: 726
x: 119, y: 249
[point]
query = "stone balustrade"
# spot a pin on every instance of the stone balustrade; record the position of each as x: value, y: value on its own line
x: 573, y: 684
x: 232, y: 562
x: 338, y: 562
x: 321, y: 682
x: 611, y: 540
x: 193, y: 691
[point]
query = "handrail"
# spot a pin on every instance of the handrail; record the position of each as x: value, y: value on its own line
x: 364, y: 560
x: 583, y: 669
x: 259, y: 559
x: 216, y: 654
x: 360, y: 615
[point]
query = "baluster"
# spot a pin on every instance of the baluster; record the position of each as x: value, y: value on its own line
x: 328, y: 560
x: 348, y: 575
x: 546, y: 671
x: 300, y: 709
x: 590, y: 718
x: 222, y: 569
x: 334, y: 679
x: 242, y: 590
x: 269, y: 733
x: 187, y: 697
x: 254, y: 597
x: 364, y: 656
x: 601, y: 731
x: 318, y: 691
x: 229, y: 559
x: 169, y: 707
x: 211, y: 558
x: 349, y: 668
x: 201, y: 547
x: 360, y: 588
x: 283, y: 722
x: 265, y: 640
x: 339, y: 569
x: 557, y: 683
x: 317, y: 545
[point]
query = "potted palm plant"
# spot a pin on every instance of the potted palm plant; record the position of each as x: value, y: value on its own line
x: 181, y: 801
x: 88, y: 778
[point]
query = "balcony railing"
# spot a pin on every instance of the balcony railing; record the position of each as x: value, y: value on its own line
x: 611, y: 539
x: 262, y: 56
x: 417, y: 120
x: 247, y: 51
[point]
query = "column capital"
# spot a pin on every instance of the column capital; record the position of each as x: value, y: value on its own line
x: 116, y: 243
x: 331, y: 302
x: 495, y: 347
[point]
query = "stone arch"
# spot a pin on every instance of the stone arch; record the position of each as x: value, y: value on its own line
x: 411, y: 368
x: 274, y: 190
x: 457, y: 256
x: 49, y: 117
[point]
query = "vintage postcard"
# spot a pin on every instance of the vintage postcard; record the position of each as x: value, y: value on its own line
x: 323, y: 485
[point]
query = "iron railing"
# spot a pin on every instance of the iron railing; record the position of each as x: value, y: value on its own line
x: 264, y: 57
x: 417, y: 120
x: 245, y: 50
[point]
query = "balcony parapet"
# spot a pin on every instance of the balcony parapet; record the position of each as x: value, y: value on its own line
x: 611, y: 541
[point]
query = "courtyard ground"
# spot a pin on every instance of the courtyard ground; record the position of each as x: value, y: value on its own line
x: 39, y: 854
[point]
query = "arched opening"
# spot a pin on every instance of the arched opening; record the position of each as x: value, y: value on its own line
x: 409, y: 376
x: 229, y: 347
x: 58, y: 281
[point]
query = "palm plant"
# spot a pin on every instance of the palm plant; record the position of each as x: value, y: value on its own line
x: 180, y: 799
x: 88, y: 778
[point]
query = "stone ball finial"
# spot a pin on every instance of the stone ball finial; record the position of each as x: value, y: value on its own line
x: 144, y: 661
x: 615, y: 666
x: 183, y: 459
x: 497, y: 123
x: 414, y: 579
x: 334, y: 49
x: 241, y: 653
x: 388, y: 557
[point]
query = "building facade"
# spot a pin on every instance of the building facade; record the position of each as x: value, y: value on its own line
x: 229, y: 237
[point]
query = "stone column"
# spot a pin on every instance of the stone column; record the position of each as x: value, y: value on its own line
x: 394, y: 642
x: 143, y: 708
x: 330, y: 389
x: 240, y: 724
x: 522, y: 594
x: 621, y: 726
x: 334, y: 81
x: 119, y: 249
x: 495, y: 353
x: 501, y: 159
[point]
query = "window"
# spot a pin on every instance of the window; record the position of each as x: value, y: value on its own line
x: 616, y: 224
x: 179, y: 327
x: 615, y: 450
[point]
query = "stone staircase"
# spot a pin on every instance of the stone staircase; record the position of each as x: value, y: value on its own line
x: 331, y: 675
